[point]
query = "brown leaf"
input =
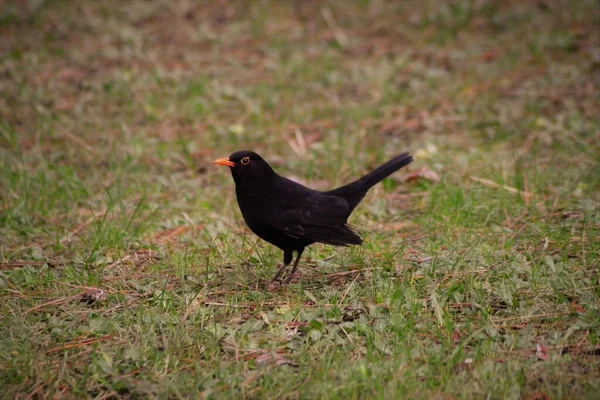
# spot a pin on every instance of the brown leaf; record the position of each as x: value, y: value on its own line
x: 274, y: 358
x: 456, y: 335
x: 490, y: 56
x: 541, y: 351
x: 422, y: 173
x: 537, y: 396
x: 577, y: 307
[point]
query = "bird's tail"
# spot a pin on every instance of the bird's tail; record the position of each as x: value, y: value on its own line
x: 355, y: 191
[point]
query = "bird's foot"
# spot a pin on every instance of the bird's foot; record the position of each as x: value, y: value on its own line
x: 292, y: 278
x: 275, y: 285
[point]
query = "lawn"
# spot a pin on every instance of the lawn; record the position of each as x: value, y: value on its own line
x: 126, y: 270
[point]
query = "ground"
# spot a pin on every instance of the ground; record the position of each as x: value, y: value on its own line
x: 126, y: 269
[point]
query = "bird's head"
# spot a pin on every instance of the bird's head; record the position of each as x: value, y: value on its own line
x: 246, y: 167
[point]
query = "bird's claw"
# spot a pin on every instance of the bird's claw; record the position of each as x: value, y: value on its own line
x: 290, y: 279
x: 277, y: 283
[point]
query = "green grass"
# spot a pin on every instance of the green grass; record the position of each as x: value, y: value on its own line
x: 483, y: 284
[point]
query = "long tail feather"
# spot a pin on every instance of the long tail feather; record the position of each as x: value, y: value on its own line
x: 385, y: 170
x: 355, y: 191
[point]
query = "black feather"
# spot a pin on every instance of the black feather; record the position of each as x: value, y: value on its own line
x: 354, y: 192
x: 292, y: 216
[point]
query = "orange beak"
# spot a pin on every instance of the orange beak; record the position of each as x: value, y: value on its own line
x: 224, y: 162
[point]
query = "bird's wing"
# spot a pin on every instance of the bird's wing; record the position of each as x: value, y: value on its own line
x: 319, y: 218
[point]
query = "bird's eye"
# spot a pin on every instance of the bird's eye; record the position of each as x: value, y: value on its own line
x: 245, y: 160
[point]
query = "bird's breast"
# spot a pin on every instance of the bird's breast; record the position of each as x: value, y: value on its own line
x: 252, y: 203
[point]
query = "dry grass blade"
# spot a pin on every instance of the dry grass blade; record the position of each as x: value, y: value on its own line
x: 339, y: 34
x: 274, y: 358
x: 194, y: 304
x: 55, y: 302
x: 80, y: 343
x: 492, y: 184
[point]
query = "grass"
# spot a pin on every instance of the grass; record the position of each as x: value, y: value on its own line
x: 482, y: 283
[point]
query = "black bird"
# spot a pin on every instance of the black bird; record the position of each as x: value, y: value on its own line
x: 291, y: 216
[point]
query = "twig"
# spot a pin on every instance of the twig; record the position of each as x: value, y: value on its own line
x: 54, y: 303
x: 36, y: 390
x: 79, y: 141
x: 347, y: 290
x: 175, y: 232
x: 495, y: 185
x: 298, y: 145
x: 128, y: 303
x: 354, y: 271
x: 19, y: 264
x: 140, y: 257
x: 192, y: 307
x: 580, y: 342
x: 85, y: 288
x: 528, y: 317
x: 83, y: 342
x: 212, y: 303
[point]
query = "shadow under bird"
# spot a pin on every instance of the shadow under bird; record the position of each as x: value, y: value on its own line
x: 292, y: 216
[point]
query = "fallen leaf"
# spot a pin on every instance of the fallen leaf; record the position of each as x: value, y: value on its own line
x: 456, y: 335
x: 274, y: 358
x: 541, y: 351
x: 577, y: 307
x: 537, y: 396
x: 489, y: 56
x: 422, y: 173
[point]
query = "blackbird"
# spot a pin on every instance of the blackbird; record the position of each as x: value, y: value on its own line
x: 292, y: 216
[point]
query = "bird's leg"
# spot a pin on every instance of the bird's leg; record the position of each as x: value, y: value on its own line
x: 287, y: 259
x: 289, y: 279
x: 279, y: 271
